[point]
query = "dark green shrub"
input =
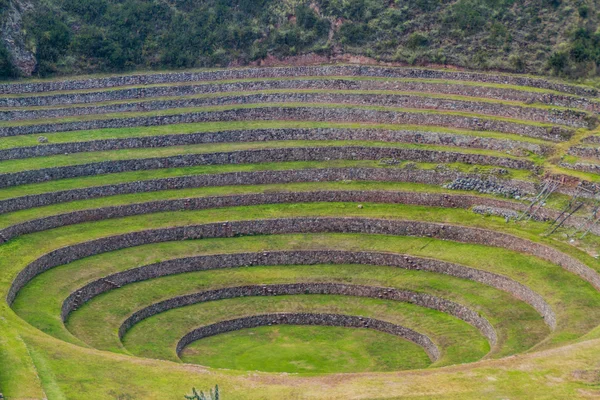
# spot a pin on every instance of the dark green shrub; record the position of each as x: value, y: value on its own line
x: 52, y: 38
x: 470, y: 16
x: 7, y: 69
x: 558, y: 62
x: 417, y: 40
x: 355, y: 34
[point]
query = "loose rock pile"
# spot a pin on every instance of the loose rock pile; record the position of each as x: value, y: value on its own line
x: 485, y: 186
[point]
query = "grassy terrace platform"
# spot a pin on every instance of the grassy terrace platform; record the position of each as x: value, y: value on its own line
x: 356, y: 350
x: 506, y: 323
x: 176, y: 129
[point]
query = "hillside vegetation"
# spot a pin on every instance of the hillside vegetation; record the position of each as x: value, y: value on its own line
x: 535, y: 36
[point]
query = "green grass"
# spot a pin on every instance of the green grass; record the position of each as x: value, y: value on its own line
x: 102, y: 375
x: 109, y: 179
x: 254, y: 106
x: 129, y: 154
x: 97, y: 322
x: 42, y: 366
x: 180, y: 129
x: 302, y: 91
x: 306, y: 349
x: 348, y: 78
x: 582, y: 310
x: 156, y: 337
x: 109, y: 201
x: 22, y: 376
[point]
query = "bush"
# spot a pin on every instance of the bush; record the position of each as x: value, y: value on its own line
x: 355, y: 34
x: 470, y: 16
x: 417, y: 40
x: 517, y: 62
x: 52, y: 38
x: 584, y: 11
x: 558, y: 62
x: 7, y: 69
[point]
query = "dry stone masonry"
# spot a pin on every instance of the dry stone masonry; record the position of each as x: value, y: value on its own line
x: 577, y: 119
x: 429, y: 177
x: 455, y: 88
x: 200, y: 203
x: 300, y: 71
x: 303, y: 113
x: 326, y: 153
x: 304, y: 225
x: 421, y: 299
x: 267, y: 135
x: 303, y: 257
x: 585, y: 151
x: 348, y: 321
x: 457, y: 130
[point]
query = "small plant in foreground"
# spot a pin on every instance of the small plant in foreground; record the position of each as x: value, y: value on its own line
x: 213, y: 395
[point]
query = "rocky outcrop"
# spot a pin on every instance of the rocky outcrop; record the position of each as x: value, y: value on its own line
x: 13, y: 36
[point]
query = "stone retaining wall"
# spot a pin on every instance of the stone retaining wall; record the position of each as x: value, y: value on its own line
x: 325, y: 153
x: 200, y: 203
x: 584, y: 167
x: 295, y: 257
x: 429, y: 177
x: 425, y: 199
x: 302, y: 225
x: 584, y: 151
x: 481, y: 205
x: 572, y: 118
x: 421, y: 299
x: 348, y: 321
x: 591, y: 139
x: 281, y: 72
x: 268, y: 135
x: 314, y: 113
x: 504, y: 94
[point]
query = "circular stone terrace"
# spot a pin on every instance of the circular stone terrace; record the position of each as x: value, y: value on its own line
x: 332, y: 232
